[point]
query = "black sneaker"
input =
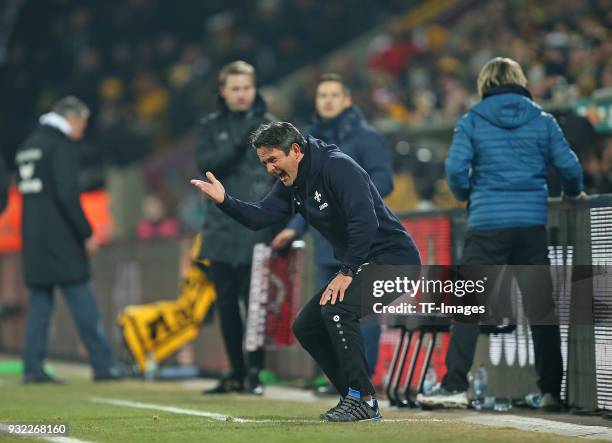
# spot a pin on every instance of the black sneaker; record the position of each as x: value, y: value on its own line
x: 254, y: 385
x: 331, y: 410
x: 226, y: 385
x: 354, y: 409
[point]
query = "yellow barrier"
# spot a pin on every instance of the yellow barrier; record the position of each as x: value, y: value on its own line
x: 162, y: 328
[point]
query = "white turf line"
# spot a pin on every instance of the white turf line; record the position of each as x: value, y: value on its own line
x: 502, y: 420
x: 229, y: 418
x: 4, y: 427
x: 534, y: 424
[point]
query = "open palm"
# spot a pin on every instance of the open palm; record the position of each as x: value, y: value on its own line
x: 213, y: 189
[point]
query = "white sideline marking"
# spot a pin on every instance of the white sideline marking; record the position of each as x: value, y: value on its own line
x: 4, y: 427
x: 511, y: 421
x: 229, y: 418
x: 171, y: 409
x: 533, y: 424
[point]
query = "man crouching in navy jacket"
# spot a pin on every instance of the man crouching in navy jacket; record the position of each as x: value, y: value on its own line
x: 336, y: 196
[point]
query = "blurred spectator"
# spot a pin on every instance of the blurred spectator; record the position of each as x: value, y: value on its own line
x: 122, y: 138
x: 603, y: 180
x: 4, y: 182
x: 392, y: 52
x: 584, y: 142
x: 155, y: 223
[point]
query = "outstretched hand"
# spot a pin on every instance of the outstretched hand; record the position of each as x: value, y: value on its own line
x: 213, y: 189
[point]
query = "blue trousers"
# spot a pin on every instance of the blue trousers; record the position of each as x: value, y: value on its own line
x: 82, y: 305
x: 370, y: 327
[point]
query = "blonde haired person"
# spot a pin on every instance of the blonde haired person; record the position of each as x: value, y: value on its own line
x: 223, y: 148
x: 498, y: 163
x: 500, y: 71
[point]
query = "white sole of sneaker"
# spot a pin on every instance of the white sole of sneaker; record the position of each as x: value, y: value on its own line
x: 358, y: 421
x: 458, y: 401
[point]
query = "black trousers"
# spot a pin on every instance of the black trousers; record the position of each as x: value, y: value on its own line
x: 232, y: 284
x: 513, y: 246
x: 331, y: 334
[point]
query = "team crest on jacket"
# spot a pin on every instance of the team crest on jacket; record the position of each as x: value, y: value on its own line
x: 317, y: 197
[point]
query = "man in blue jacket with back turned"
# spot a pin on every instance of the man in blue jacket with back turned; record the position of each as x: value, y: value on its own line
x: 338, y: 199
x: 498, y: 163
x: 341, y: 123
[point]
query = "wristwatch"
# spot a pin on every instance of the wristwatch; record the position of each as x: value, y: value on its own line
x: 347, y: 270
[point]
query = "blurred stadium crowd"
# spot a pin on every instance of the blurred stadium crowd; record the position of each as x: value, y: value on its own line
x: 148, y: 70
x: 152, y: 65
x: 416, y: 76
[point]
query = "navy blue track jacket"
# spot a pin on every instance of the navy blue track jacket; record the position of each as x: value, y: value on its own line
x: 336, y: 196
x: 350, y: 132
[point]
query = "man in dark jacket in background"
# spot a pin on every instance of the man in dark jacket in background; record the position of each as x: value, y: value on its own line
x: 4, y: 181
x: 341, y: 123
x: 223, y: 148
x: 57, y: 239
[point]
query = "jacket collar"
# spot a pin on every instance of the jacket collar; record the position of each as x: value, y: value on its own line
x: 56, y: 121
x: 312, y: 162
x: 510, y: 88
x: 257, y: 109
x: 339, y: 127
x: 304, y: 167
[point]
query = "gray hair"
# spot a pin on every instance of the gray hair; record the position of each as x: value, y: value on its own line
x: 71, y: 105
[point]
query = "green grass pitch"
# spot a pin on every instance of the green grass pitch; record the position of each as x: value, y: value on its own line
x: 78, y: 404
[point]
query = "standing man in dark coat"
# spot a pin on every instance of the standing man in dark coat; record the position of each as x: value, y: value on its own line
x: 3, y: 184
x: 57, y: 239
x: 223, y: 149
x: 341, y: 123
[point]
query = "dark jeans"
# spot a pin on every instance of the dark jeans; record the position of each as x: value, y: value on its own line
x: 370, y: 327
x: 513, y: 246
x: 331, y: 334
x: 232, y: 284
x: 82, y: 305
